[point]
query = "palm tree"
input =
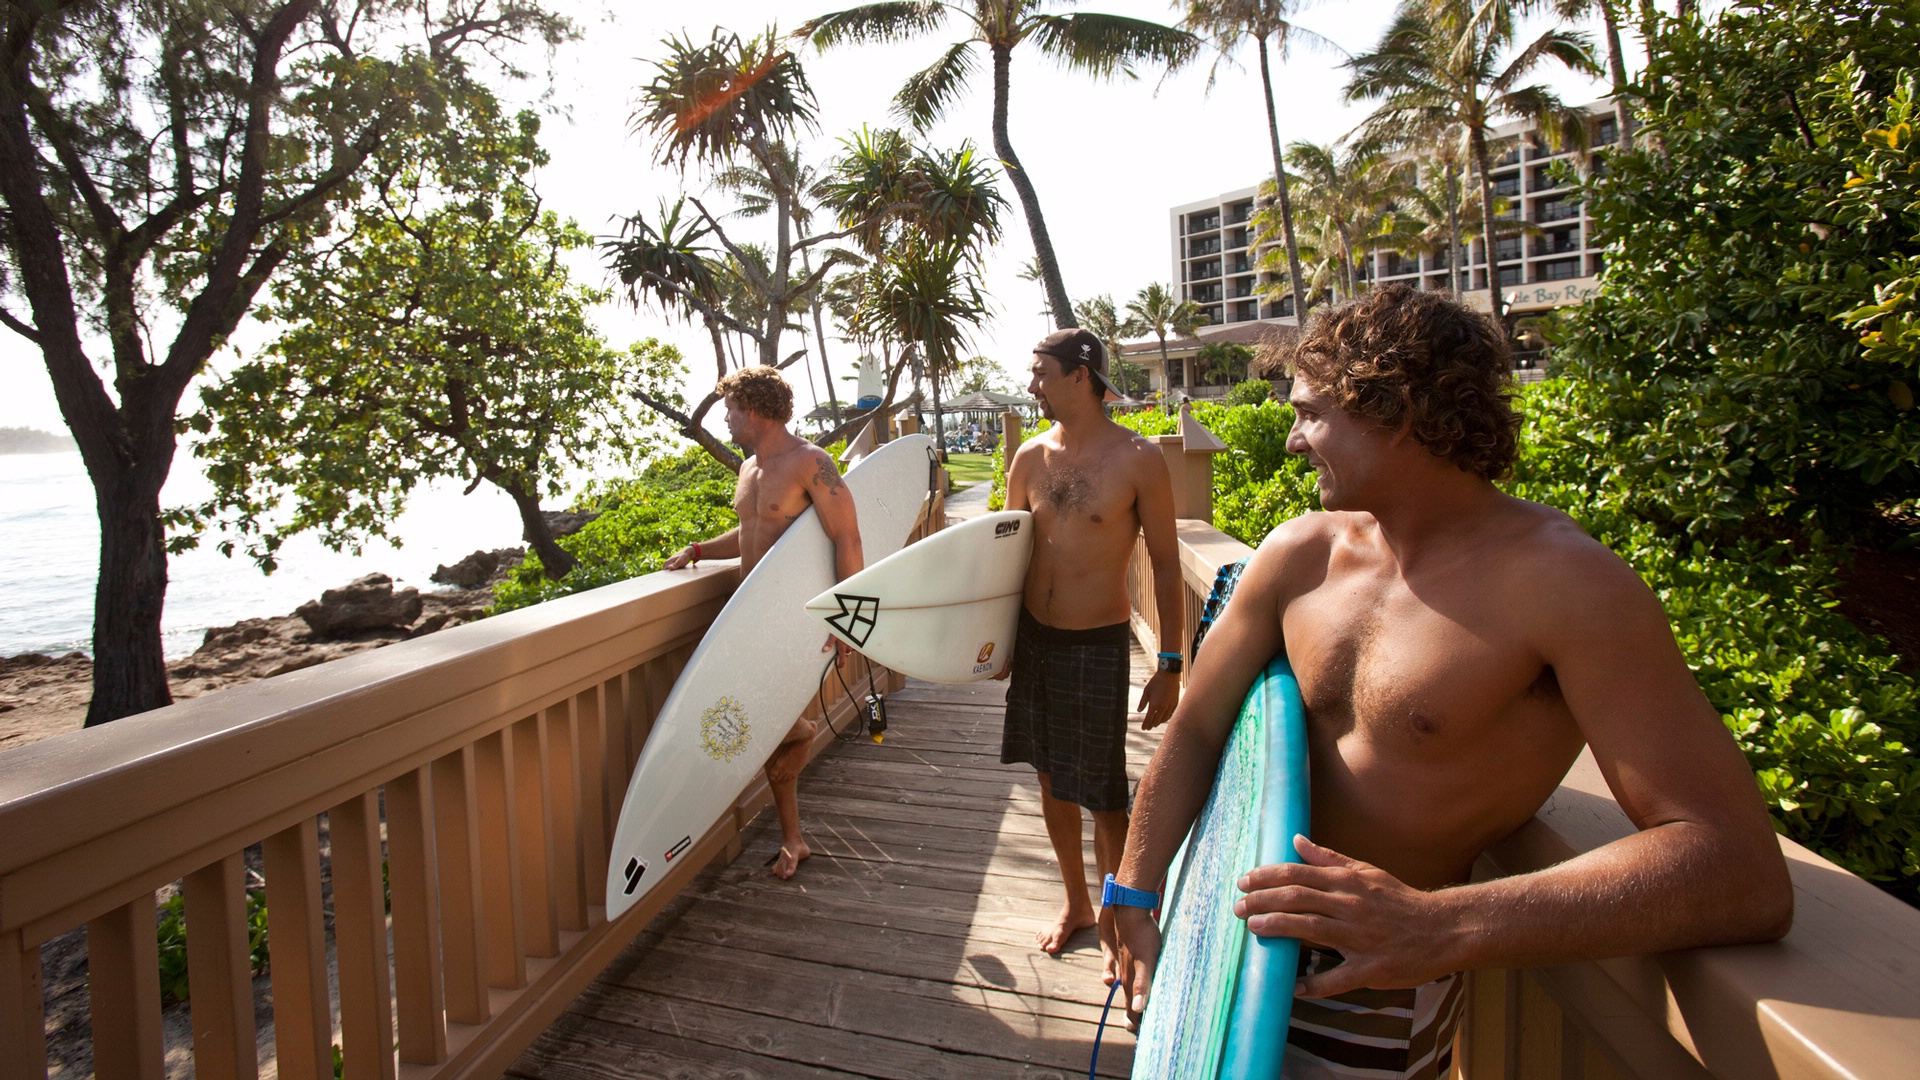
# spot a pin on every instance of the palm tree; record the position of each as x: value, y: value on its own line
x: 1352, y: 190
x: 1100, y: 45
x: 927, y: 294
x: 1268, y: 23
x: 925, y: 219
x: 1155, y: 310
x: 1440, y: 63
x: 1616, y: 57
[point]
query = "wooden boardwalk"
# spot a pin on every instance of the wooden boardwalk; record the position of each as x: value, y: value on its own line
x: 903, y: 949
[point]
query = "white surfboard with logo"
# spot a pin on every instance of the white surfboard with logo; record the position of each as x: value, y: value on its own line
x: 943, y: 610
x: 751, y: 677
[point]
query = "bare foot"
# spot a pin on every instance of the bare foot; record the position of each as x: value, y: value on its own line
x: 791, y: 757
x: 1072, y: 920
x: 1109, y: 948
x: 787, y: 862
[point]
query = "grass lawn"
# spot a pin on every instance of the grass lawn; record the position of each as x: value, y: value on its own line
x: 965, y: 469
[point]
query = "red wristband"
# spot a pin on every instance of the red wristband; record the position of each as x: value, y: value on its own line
x: 696, y: 551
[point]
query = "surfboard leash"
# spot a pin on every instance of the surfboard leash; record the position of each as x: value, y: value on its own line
x: 873, y: 718
x: 1112, y: 989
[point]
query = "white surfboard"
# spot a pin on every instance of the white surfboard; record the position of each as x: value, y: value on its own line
x: 750, y: 677
x: 943, y: 610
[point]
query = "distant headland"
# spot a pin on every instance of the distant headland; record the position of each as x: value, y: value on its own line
x: 25, y: 440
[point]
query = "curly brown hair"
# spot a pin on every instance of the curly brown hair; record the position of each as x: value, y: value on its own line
x: 761, y: 391
x: 1406, y: 357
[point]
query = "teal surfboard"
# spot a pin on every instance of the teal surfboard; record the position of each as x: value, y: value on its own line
x: 1222, y: 996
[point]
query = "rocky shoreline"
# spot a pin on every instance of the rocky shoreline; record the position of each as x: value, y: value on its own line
x: 42, y: 696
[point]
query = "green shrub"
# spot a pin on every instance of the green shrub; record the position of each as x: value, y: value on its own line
x: 171, y: 934
x: 997, y: 495
x: 1765, y: 224
x: 1256, y: 483
x: 1251, y: 392
x: 642, y: 521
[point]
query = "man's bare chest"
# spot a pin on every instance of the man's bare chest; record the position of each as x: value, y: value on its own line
x: 768, y: 496
x: 1397, y: 668
x: 1075, y: 492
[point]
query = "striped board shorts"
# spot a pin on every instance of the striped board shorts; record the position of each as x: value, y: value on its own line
x: 1067, y: 711
x: 1373, y: 1034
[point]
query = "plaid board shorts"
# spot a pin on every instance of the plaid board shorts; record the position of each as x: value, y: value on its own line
x: 1067, y: 711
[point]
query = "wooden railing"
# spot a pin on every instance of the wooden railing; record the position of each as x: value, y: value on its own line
x: 481, y: 769
x: 1837, y: 999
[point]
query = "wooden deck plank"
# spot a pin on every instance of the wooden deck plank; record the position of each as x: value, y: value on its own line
x: 904, y: 948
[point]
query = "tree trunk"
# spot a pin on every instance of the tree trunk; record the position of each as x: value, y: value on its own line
x: 1483, y: 162
x: 554, y: 560
x: 129, y: 663
x: 1029, y: 201
x: 1298, y: 281
x: 1166, y: 369
x: 1455, y: 255
x: 820, y: 340
x: 1617, y: 66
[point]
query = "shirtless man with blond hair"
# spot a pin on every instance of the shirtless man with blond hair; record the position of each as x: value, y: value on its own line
x: 1456, y: 648
x: 1093, y: 488
x: 782, y: 476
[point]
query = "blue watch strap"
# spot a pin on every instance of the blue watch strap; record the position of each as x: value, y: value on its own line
x: 1114, y: 894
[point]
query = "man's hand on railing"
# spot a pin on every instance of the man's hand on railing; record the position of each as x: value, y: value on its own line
x: 1159, y: 698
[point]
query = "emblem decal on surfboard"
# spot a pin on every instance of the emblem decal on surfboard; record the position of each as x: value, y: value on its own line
x: 724, y: 731
x: 855, y: 622
x: 685, y: 843
x: 986, y: 653
x: 1006, y: 528
x: 636, y: 868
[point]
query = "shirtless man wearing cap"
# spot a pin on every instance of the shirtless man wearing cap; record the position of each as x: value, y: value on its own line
x: 782, y: 476
x: 1456, y: 648
x: 1093, y: 487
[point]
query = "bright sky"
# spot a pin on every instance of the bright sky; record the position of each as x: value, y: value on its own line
x: 1108, y: 159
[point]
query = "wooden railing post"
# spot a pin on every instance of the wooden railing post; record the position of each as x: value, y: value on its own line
x: 23, y: 1011
x: 297, y: 948
x: 123, y: 983
x: 220, y: 971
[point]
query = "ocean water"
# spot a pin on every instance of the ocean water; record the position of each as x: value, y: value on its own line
x: 50, y: 552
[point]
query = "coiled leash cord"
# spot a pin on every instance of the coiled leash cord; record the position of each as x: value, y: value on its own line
x: 872, y: 720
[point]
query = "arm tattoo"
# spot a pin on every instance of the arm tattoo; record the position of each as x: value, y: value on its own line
x: 828, y: 477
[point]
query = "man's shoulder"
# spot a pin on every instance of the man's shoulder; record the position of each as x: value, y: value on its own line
x: 1555, y: 567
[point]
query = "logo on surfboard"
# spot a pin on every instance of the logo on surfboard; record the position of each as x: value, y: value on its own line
x: 724, y: 731
x: 986, y: 653
x: 856, y: 622
x: 1006, y: 529
x: 685, y: 843
x: 636, y: 868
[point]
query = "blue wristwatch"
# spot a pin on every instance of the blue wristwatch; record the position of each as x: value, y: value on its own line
x: 1115, y: 894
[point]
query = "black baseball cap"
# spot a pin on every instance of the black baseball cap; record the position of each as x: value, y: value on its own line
x: 1080, y: 346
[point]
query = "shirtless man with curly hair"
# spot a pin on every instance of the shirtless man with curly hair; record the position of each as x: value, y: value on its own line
x: 782, y: 476
x: 1456, y: 648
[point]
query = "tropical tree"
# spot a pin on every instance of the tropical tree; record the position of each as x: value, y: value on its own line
x: 159, y: 163
x: 924, y: 218
x: 439, y: 338
x: 927, y: 294
x: 1155, y: 310
x: 1269, y: 23
x: 1100, y: 45
x: 1454, y: 62
x: 1352, y: 191
x: 1609, y: 11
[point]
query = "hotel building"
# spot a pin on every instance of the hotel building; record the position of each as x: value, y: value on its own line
x: 1216, y: 255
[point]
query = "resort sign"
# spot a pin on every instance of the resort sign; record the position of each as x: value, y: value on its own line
x: 1547, y: 294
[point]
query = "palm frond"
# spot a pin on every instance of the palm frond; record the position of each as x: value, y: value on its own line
x: 1570, y: 47
x: 897, y: 21
x: 928, y: 93
x: 1104, y: 45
